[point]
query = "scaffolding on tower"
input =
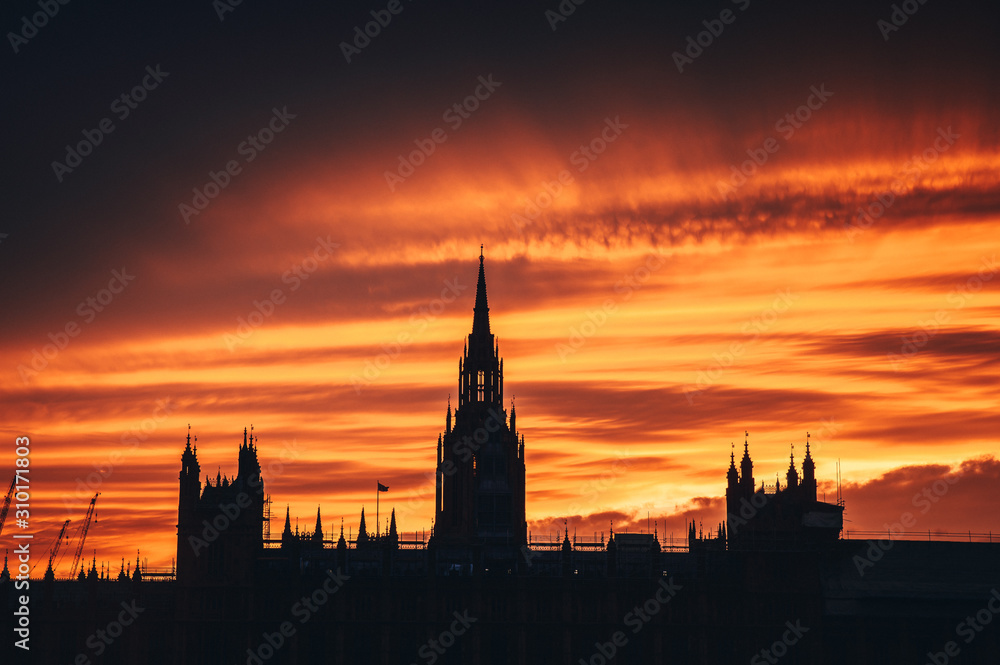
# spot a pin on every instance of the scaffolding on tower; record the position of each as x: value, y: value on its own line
x: 267, y: 518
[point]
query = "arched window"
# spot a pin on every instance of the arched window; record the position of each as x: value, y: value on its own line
x: 482, y: 385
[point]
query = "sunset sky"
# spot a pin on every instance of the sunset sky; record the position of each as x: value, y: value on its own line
x: 651, y: 302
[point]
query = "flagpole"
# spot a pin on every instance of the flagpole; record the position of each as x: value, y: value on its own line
x: 376, y: 507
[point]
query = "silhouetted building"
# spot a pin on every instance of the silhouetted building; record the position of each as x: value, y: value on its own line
x: 772, y: 516
x: 480, y: 460
x: 772, y: 582
x: 219, y: 526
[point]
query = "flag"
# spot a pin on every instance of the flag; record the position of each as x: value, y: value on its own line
x: 381, y: 487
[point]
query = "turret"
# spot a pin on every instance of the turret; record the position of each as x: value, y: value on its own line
x: 342, y: 547
x: 746, y: 468
x: 187, y: 509
x: 792, y: 476
x: 317, y: 536
x: 566, y: 553
x: 249, y: 467
x: 393, y: 536
x: 286, y: 533
x: 733, y: 475
x: 190, y: 483
x: 808, y: 474
x: 362, y: 538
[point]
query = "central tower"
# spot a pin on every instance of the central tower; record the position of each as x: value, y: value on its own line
x: 480, y: 460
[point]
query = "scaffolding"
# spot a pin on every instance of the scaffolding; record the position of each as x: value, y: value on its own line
x: 267, y: 518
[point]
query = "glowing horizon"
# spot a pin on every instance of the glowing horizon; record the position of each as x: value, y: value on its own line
x: 669, y: 265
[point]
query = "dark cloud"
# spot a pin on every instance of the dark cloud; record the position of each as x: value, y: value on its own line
x: 938, y: 497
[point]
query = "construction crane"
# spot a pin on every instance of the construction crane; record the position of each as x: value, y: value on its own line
x: 6, y: 504
x: 83, y: 536
x: 55, y: 547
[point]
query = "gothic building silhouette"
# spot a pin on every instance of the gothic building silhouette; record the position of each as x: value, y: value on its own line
x: 480, y: 461
x: 774, y: 576
x: 231, y: 511
x: 757, y: 516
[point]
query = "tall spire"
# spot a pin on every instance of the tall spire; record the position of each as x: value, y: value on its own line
x: 792, y: 475
x: 809, y: 473
x: 732, y: 475
x: 189, y: 459
x: 318, y: 532
x: 362, y: 530
x: 746, y: 465
x: 481, y: 314
x: 808, y: 460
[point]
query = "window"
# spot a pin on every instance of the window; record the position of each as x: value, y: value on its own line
x: 482, y: 385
